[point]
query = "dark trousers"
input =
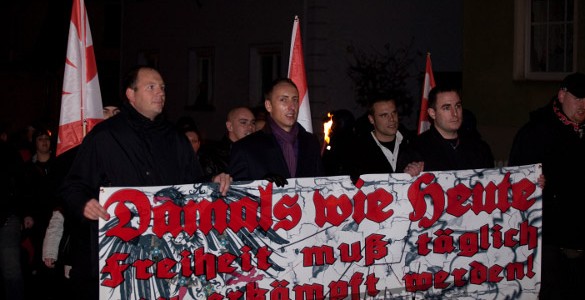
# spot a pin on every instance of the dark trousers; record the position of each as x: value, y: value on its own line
x: 10, y: 266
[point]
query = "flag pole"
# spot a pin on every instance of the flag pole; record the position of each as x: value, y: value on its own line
x: 82, y: 14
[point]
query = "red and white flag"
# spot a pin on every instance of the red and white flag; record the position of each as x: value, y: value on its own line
x: 423, y: 120
x: 81, y: 100
x: 296, y: 72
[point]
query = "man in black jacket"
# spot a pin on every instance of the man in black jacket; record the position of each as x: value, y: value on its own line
x: 554, y: 136
x: 283, y: 148
x: 137, y: 147
x: 384, y: 149
x: 444, y: 146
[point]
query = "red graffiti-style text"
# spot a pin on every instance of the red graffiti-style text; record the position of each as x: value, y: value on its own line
x: 204, y: 215
x: 483, y: 199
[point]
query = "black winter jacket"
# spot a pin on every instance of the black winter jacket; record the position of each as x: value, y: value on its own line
x: 369, y: 158
x: 125, y: 150
x: 259, y: 154
x: 560, y: 147
x: 439, y: 155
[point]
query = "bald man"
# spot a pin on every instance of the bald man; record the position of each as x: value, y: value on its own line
x: 215, y: 158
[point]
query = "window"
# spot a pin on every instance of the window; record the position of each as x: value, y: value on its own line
x: 201, y: 70
x: 265, y: 67
x: 545, y: 38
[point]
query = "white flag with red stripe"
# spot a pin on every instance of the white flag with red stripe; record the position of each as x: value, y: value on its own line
x: 296, y: 72
x: 81, y: 100
x: 423, y: 120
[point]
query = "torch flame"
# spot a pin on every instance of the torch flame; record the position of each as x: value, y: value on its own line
x: 327, y: 128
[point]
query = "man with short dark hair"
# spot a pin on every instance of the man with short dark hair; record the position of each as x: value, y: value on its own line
x: 136, y: 147
x: 554, y: 136
x: 443, y: 147
x: 384, y: 150
x: 283, y: 148
x: 110, y: 111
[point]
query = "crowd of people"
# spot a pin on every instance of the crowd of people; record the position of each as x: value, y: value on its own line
x: 48, y: 221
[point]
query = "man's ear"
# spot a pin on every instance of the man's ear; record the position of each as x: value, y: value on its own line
x: 431, y: 111
x: 371, y: 119
x: 228, y: 126
x: 268, y: 105
x: 130, y: 95
x: 561, y: 95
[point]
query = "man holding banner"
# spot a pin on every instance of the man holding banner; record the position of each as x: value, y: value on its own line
x: 283, y: 148
x: 384, y: 150
x: 443, y: 147
x: 137, y: 147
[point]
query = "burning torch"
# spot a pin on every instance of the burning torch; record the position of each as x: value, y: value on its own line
x: 327, y: 131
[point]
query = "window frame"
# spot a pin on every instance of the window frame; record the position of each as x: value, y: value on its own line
x: 195, y: 58
x: 522, y: 42
x: 257, y: 52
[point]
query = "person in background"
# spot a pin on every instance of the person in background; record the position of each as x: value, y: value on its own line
x: 555, y: 137
x: 260, y: 117
x: 194, y: 137
x: 40, y: 191
x: 110, y: 111
x: 215, y: 158
x: 11, y: 219
x: 26, y: 144
x: 240, y: 123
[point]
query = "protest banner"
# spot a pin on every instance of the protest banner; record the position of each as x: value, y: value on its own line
x: 471, y: 234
